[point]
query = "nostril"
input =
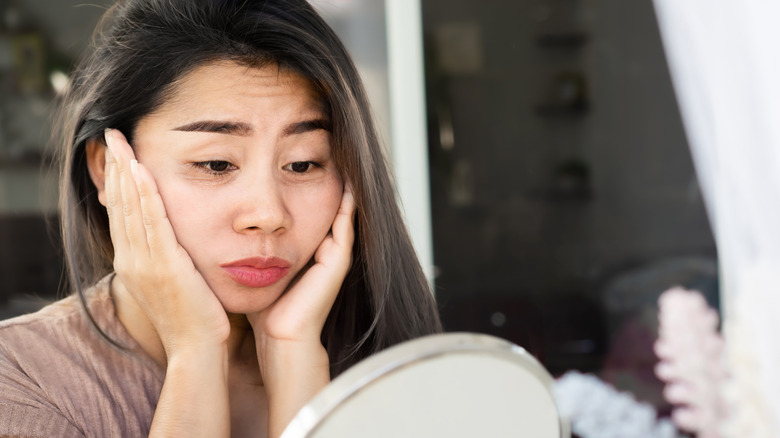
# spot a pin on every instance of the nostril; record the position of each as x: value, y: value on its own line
x: 264, y: 214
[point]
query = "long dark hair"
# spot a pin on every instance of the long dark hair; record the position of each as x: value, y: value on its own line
x: 141, y: 48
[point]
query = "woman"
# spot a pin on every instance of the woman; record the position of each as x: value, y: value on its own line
x: 230, y: 228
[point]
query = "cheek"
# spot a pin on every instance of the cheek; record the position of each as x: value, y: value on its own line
x: 191, y: 216
x: 314, y: 210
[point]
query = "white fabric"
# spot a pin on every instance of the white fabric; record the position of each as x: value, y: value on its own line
x: 725, y: 67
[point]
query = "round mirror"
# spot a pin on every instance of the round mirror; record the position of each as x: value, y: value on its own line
x: 453, y: 385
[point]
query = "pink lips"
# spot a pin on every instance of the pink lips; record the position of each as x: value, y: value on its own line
x: 257, y: 271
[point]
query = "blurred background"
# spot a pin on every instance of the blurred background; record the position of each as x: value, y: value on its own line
x: 540, y: 156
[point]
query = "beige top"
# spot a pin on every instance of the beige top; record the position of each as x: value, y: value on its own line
x: 60, y: 378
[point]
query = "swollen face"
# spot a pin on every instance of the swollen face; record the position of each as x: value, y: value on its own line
x: 243, y: 162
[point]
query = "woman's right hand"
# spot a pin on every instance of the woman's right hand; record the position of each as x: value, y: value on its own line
x: 149, y: 262
x: 166, y: 289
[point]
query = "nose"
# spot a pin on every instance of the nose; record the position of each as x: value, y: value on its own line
x: 260, y: 207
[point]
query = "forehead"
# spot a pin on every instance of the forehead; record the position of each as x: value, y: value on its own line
x: 227, y: 84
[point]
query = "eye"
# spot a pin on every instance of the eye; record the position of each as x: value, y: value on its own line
x: 301, y: 166
x: 217, y: 167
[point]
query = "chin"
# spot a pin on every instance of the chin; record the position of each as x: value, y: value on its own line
x: 248, y: 300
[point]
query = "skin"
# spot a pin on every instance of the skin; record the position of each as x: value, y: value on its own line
x: 240, y: 360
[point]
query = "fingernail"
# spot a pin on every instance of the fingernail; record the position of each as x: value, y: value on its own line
x: 108, y: 136
x: 134, y: 169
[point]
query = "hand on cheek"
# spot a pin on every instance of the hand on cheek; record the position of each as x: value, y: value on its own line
x: 301, y: 312
x: 150, y: 264
x: 293, y: 362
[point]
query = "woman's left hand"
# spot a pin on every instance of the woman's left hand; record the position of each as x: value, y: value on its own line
x: 300, y: 313
x: 293, y: 362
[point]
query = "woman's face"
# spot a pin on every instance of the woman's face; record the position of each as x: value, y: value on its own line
x: 242, y: 159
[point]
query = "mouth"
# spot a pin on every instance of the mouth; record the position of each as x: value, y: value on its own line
x: 257, y: 271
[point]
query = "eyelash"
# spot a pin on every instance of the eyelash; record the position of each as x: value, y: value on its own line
x: 311, y: 165
x: 207, y: 167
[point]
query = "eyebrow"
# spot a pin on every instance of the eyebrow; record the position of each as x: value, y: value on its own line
x: 245, y: 129
x: 307, y: 126
x: 217, y: 126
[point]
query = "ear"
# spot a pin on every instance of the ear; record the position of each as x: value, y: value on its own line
x: 96, y: 164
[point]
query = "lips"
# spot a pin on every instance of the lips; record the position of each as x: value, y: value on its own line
x: 257, y: 271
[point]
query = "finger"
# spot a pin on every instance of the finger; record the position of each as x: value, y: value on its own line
x: 116, y: 217
x: 136, y: 232
x: 336, y: 249
x: 343, y: 224
x: 131, y: 207
x: 160, y: 235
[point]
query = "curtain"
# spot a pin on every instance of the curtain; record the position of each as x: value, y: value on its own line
x: 724, y: 61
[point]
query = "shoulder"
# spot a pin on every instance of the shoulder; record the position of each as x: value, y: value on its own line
x: 28, y: 342
x: 19, y: 329
x: 57, y: 368
x: 32, y: 341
